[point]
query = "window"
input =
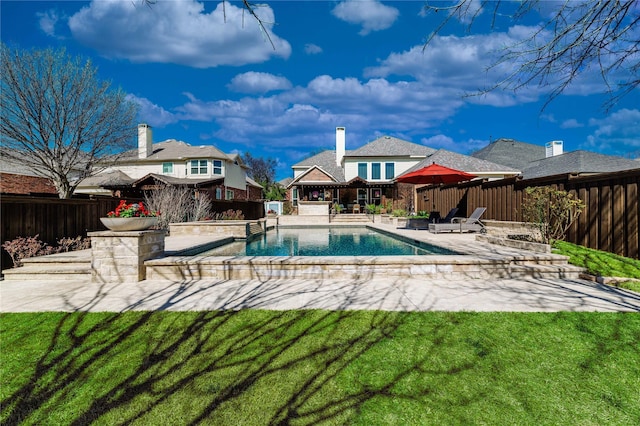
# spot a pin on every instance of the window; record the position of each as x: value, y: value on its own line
x: 198, y: 167
x: 375, y: 171
x: 389, y: 171
x: 229, y: 195
x: 217, y: 167
x: 294, y: 196
x: 167, y: 168
x: 362, y: 170
x: 218, y: 193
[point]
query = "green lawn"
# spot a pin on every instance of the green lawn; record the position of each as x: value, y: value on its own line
x: 317, y: 367
x: 602, y: 263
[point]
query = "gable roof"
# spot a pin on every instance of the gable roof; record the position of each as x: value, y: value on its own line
x: 113, y: 177
x: 578, y: 162
x: 389, y: 146
x: 463, y: 162
x: 176, y: 150
x: 171, y: 180
x: 512, y: 153
x: 326, y: 160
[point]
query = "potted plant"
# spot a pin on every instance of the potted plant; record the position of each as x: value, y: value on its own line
x: 130, y: 217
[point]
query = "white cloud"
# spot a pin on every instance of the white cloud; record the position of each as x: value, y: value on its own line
x: 372, y: 15
x: 617, y: 133
x: 571, y: 123
x: 258, y: 82
x: 178, y: 32
x: 312, y: 49
x: 152, y: 114
x: 438, y: 141
x: 461, y: 64
x: 47, y: 21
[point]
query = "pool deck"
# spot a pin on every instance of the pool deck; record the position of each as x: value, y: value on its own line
x: 392, y: 293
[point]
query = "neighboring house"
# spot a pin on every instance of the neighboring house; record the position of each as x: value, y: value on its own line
x: 578, y: 163
x: 482, y: 169
x: 536, y: 161
x: 173, y: 162
x: 15, y: 179
x: 512, y: 153
x: 367, y: 175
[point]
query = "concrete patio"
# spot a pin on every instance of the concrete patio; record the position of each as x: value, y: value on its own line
x: 531, y: 292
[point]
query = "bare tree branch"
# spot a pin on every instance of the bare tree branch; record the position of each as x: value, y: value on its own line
x: 58, y: 120
x: 577, y: 37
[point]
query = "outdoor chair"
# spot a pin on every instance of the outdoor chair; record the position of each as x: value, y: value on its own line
x: 448, y: 218
x: 461, y: 224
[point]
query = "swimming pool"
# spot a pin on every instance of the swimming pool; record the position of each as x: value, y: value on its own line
x: 326, y: 241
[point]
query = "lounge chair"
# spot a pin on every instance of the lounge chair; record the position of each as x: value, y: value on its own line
x: 448, y: 218
x: 461, y: 224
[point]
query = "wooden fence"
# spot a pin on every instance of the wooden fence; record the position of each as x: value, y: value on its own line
x: 609, y: 222
x: 52, y: 218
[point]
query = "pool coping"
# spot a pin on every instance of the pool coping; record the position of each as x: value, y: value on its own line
x: 475, y: 260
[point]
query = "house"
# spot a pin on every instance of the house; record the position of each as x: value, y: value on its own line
x: 511, y: 152
x: 578, y: 163
x: 367, y: 175
x: 537, y: 161
x: 204, y: 168
x: 15, y: 179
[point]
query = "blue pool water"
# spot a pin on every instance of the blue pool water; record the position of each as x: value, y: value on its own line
x: 353, y: 241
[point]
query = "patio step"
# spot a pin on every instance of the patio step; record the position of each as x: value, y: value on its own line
x: 350, y: 218
x: 62, y: 266
x: 49, y: 272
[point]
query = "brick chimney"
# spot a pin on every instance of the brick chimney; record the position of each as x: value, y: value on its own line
x: 340, y: 145
x: 145, y: 141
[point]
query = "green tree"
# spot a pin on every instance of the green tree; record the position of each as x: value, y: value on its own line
x: 263, y: 171
x: 58, y: 120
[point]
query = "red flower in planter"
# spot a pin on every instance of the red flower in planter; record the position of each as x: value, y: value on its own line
x: 132, y: 210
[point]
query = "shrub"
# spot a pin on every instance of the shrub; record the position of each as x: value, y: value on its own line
x: 25, y: 247
x: 229, y: 215
x: 551, y: 210
x: 399, y: 213
x: 287, y: 207
x: 178, y: 204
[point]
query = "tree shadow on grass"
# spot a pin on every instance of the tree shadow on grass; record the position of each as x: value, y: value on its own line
x: 238, y: 366
x: 260, y: 367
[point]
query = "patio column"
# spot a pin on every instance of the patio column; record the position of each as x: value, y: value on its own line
x: 118, y: 256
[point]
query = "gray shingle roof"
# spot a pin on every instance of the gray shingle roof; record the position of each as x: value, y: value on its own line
x: 390, y: 146
x: 176, y: 150
x: 115, y: 177
x: 326, y: 160
x: 579, y: 162
x: 512, y: 153
x: 462, y: 162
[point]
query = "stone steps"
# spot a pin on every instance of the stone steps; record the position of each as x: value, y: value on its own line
x: 49, y: 272
x: 55, y: 267
x: 350, y: 219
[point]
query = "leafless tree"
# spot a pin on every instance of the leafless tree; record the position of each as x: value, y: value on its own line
x: 573, y: 38
x: 178, y: 204
x: 58, y: 119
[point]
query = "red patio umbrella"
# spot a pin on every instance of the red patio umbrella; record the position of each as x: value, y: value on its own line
x: 435, y: 174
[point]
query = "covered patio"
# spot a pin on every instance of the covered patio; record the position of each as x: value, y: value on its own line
x: 351, y: 197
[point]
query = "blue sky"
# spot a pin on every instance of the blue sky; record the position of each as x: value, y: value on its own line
x: 206, y: 79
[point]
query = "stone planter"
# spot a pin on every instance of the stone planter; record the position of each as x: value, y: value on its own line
x: 129, y: 223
